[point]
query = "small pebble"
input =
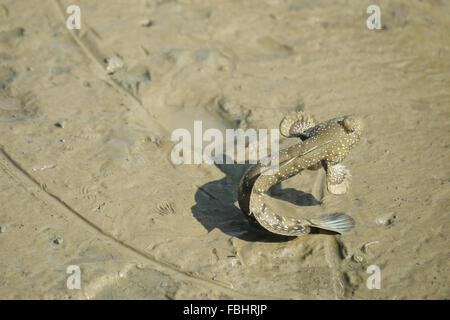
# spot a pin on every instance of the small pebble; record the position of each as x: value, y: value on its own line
x: 147, y: 23
x: 113, y: 64
x: 235, y: 262
x: 386, y: 219
x: 2, y: 229
x: 58, y: 240
x: 60, y: 124
x: 140, y: 266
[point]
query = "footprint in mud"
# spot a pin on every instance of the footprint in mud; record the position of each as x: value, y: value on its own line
x: 14, y: 108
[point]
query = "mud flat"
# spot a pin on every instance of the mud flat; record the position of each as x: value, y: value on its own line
x: 86, y: 177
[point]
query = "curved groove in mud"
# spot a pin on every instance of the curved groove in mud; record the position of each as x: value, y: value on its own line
x: 14, y: 169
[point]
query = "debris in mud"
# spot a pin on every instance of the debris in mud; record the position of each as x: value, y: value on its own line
x: 113, y: 64
x: 60, y: 124
x: 387, y: 219
x: 58, y: 240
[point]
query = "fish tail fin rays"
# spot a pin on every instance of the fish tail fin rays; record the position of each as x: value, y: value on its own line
x: 337, y: 222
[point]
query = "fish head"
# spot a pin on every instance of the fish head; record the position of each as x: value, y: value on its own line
x: 342, y: 135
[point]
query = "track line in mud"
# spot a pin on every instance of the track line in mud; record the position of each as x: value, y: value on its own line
x: 104, y: 75
x: 37, y: 189
x: 88, y: 53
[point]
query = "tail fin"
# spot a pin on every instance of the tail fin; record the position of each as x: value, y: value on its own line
x: 337, y: 222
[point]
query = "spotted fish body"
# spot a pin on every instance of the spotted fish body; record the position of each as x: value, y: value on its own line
x: 324, y: 145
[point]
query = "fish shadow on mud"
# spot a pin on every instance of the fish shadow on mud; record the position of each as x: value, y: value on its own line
x: 215, y: 206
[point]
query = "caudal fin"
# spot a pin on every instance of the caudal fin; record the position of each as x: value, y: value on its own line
x: 337, y: 222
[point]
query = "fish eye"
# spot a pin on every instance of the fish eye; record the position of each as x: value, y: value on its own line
x: 350, y: 123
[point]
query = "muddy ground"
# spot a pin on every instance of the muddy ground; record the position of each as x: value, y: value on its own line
x: 86, y: 118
